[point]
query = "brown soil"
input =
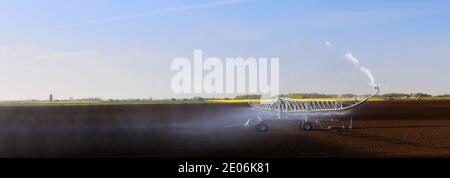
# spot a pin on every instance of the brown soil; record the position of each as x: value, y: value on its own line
x: 381, y: 129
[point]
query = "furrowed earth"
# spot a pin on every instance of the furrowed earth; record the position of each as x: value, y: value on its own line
x: 381, y: 129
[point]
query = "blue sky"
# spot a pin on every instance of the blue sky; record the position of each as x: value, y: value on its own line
x: 123, y: 49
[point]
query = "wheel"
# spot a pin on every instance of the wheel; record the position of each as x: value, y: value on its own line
x: 307, y: 127
x: 262, y: 127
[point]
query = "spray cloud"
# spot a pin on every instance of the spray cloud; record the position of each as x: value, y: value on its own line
x: 355, y: 61
x: 327, y: 44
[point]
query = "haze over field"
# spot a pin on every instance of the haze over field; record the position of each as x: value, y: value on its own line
x: 118, y: 49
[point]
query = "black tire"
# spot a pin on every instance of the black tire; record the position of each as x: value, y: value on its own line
x: 262, y: 127
x: 307, y: 127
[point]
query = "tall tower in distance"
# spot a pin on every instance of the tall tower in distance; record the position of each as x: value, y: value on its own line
x: 50, y: 98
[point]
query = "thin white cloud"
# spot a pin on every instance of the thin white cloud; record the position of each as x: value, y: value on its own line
x: 151, y: 13
x: 35, y: 53
x: 77, y: 55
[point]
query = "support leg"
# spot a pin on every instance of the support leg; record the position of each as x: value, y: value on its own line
x: 351, y: 123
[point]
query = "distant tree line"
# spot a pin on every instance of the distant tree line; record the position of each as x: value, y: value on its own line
x: 443, y: 96
x: 349, y: 95
x: 310, y: 95
x: 403, y: 95
x: 290, y: 95
x: 248, y: 97
x: 85, y: 99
